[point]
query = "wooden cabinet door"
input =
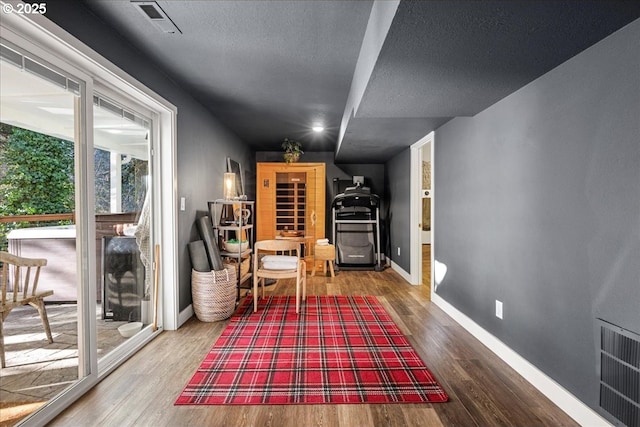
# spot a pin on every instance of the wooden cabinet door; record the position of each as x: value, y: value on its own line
x: 265, y: 201
x: 315, y: 200
x: 268, y: 175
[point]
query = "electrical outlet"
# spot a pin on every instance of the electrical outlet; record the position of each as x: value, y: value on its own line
x: 183, y: 203
x: 398, y: 250
x: 499, y: 309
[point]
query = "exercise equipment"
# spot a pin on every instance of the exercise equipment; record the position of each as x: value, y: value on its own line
x: 356, y: 228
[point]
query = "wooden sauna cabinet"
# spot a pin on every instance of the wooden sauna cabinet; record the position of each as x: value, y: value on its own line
x: 290, y: 200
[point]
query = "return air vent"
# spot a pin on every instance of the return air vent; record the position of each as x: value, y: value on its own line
x: 152, y: 11
x: 620, y: 374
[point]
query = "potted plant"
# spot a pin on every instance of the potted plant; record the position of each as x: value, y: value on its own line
x: 292, y: 150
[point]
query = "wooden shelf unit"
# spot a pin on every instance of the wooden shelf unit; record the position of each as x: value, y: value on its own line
x: 225, y: 228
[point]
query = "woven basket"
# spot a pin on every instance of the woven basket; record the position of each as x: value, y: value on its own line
x: 214, y: 294
x: 244, y: 265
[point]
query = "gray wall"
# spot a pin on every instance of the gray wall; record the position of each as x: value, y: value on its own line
x: 398, y: 180
x: 538, y: 205
x: 202, y: 143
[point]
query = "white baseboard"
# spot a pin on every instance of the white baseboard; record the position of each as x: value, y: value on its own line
x: 185, y: 315
x: 395, y: 267
x: 566, y: 401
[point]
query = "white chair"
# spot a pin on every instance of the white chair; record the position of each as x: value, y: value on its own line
x: 275, y: 266
x: 25, y: 291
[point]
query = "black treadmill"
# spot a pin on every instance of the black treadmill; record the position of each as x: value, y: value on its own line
x: 356, y: 228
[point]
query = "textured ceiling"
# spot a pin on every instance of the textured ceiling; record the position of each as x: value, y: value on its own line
x: 272, y: 69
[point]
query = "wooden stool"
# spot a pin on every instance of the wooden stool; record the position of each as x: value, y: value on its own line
x: 326, y: 254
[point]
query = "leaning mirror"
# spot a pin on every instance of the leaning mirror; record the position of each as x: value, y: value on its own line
x: 234, y: 167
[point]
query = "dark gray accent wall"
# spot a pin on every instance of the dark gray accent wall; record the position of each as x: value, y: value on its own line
x: 537, y: 204
x: 202, y: 143
x: 398, y: 180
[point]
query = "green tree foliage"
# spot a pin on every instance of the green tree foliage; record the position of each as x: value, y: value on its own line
x: 133, y: 185
x: 133, y: 182
x: 36, y: 176
x: 39, y: 175
x: 101, y: 164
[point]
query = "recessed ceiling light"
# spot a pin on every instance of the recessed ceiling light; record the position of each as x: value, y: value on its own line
x: 317, y: 128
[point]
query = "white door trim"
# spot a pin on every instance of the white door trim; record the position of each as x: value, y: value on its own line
x: 415, y: 217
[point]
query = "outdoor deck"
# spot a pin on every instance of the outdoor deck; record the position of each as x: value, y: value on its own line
x: 36, y: 370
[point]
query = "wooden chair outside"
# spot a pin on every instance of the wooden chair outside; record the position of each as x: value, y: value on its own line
x: 260, y: 272
x: 24, y: 291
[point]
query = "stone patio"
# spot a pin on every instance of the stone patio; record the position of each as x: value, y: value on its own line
x: 36, y: 370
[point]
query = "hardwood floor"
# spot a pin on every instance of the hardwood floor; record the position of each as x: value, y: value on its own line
x: 483, y: 390
x: 426, y: 269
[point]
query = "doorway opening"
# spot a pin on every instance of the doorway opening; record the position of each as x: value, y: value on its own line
x: 421, y: 217
x: 425, y: 223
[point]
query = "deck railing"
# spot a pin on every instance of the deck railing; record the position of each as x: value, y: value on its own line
x: 41, y: 217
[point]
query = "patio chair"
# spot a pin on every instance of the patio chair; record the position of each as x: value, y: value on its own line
x: 24, y: 291
x: 278, y: 267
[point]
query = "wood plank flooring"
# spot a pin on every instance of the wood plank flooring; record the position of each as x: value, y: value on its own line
x: 483, y: 390
x: 426, y: 269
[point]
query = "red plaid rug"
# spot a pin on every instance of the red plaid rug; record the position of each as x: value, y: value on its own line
x: 340, y: 349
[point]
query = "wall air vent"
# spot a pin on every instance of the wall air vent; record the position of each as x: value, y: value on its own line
x: 619, y: 374
x: 152, y: 11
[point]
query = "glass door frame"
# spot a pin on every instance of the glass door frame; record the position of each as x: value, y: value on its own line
x: 84, y: 222
x: 43, y: 39
x: 111, y: 360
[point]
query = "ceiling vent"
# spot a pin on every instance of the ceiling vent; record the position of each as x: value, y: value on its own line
x: 152, y: 11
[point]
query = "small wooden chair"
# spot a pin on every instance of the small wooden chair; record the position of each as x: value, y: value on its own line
x: 279, y: 267
x: 25, y: 291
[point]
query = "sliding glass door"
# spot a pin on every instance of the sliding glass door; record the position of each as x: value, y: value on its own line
x: 78, y: 193
x: 77, y: 187
x: 41, y: 166
x: 123, y: 134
